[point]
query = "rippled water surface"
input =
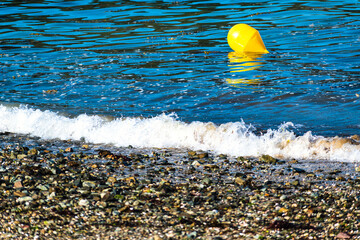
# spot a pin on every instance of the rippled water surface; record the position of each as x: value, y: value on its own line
x: 143, y: 58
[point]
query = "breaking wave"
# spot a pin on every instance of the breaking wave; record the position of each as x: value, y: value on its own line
x: 166, y: 131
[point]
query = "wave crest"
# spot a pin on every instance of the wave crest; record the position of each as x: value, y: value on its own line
x: 166, y: 131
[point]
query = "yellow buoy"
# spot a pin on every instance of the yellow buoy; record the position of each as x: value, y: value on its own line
x: 243, y: 38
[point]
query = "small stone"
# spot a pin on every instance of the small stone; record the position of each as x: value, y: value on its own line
x: 343, y: 235
x: 283, y: 210
x: 105, y: 196
x: 77, y: 182
x: 83, y: 202
x: 340, y: 178
x: 90, y: 184
x: 35, y: 196
x: 240, y: 181
x: 51, y: 195
x: 241, y: 159
x: 123, y: 209
x: 33, y: 151
x: 222, y: 156
x: 19, y: 194
x: 21, y: 156
x: 54, y: 170
x: 191, y: 153
x: 212, y: 167
x: 69, y: 149
x: 18, y: 184
x: 196, y: 163
x: 192, y: 235
x: 293, y: 161
x: 101, y: 204
x: 111, y: 180
x: 283, y: 197
x: 203, y: 155
x: 73, y: 164
x: 12, y: 155
x: 212, y: 212
x: 206, y: 181
x: 295, y: 183
x: 268, y: 159
x: 42, y: 187
x: 83, y: 191
x: 104, y: 153
x: 157, y: 237
x: 24, y: 199
x: 243, y: 181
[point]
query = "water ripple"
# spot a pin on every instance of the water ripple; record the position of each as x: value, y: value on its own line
x: 131, y: 58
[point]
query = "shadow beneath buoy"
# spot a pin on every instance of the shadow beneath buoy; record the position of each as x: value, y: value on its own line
x: 244, y: 63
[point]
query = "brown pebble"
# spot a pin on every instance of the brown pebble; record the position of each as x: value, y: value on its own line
x: 18, y: 184
x: 105, y: 196
x: 240, y: 181
x: 156, y: 237
x: 19, y: 194
x: 191, y: 153
x: 104, y: 153
x: 123, y: 208
x: 203, y: 155
x: 73, y: 164
x: 293, y: 161
x: 69, y: 149
x: 343, y: 235
x: 111, y: 180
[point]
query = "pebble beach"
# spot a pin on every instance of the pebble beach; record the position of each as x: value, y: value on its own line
x: 179, y: 120
x: 72, y: 190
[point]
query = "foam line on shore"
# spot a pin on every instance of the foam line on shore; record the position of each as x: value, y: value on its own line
x: 166, y: 131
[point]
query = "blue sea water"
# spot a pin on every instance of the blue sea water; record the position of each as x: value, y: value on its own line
x: 105, y: 69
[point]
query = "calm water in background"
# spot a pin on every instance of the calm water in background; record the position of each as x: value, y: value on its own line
x: 144, y: 58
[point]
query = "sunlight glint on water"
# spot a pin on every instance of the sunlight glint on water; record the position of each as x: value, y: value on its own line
x: 145, y: 58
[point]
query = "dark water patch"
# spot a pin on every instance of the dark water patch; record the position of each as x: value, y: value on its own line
x: 136, y: 58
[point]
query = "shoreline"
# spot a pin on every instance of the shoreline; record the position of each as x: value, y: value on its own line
x: 66, y: 190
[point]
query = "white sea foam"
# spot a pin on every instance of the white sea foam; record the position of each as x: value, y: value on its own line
x: 166, y: 131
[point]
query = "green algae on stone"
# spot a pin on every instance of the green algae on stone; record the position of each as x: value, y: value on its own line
x: 268, y: 159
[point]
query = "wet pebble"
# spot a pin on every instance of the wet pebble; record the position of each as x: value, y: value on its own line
x: 159, y: 196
